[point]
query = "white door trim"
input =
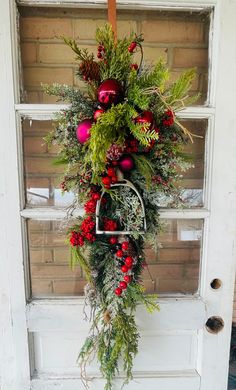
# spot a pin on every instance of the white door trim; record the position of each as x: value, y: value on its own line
x: 137, y: 4
x: 14, y: 358
x: 220, y: 241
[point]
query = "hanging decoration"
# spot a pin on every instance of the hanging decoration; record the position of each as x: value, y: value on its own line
x: 122, y: 148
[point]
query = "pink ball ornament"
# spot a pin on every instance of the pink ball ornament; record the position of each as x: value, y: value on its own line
x: 83, y: 130
x: 110, y: 92
x: 126, y: 163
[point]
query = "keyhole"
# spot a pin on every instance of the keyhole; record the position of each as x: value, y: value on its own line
x: 214, y: 324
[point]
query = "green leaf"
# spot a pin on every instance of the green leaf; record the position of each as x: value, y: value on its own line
x: 145, y: 168
x: 78, y: 258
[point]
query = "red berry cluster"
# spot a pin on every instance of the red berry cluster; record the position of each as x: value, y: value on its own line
x: 131, y: 145
x: 109, y: 224
x: 126, y: 266
x: 101, y: 51
x: 157, y: 179
x: 90, y: 205
x: 63, y: 186
x: 168, y: 119
x: 87, y: 232
x: 76, y: 239
x: 110, y: 178
x: 134, y: 66
x: 131, y: 49
x: 88, y: 228
x: 85, y: 178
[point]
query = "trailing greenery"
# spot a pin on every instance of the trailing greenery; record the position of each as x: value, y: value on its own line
x: 135, y: 138
x: 118, y: 59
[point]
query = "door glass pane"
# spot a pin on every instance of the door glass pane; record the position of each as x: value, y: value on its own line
x: 174, y: 268
x: 43, y: 176
x: 192, y: 182
x: 49, y: 261
x: 180, y: 38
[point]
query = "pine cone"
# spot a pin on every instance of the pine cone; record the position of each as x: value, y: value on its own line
x: 132, y: 250
x: 89, y: 70
x: 114, y: 152
x: 107, y: 316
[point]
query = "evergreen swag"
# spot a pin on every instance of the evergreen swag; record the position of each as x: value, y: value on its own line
x: 132, y: 133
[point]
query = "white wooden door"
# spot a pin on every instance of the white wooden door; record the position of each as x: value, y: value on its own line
x: 40, y: 338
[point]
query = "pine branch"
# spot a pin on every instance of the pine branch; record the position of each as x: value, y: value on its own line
x: 155, y: 78
x: 117, y: 57
x: 110, y: 128
x: 145, y: 168
x: 82, y: 54
x: 180, y: 87
x: 78, y: 258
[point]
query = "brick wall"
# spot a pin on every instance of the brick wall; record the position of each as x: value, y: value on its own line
x: 181, y: 39
x: 174, y: 268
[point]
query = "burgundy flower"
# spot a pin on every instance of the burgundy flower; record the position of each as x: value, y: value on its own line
x: 109, y: 224
x: 90, y: 206
x: 76, y: 239
x: 87, y: 225
x: 168, y: 119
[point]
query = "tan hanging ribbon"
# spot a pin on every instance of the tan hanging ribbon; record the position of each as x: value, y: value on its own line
x: 112, y: 16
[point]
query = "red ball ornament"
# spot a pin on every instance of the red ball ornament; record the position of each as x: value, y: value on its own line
x: 100, y: 47
x: 106, y: 181
x: 113, y: 240
x: 125, y: 245
x: 119, y: 253
x: 97, y: 114
x: 126, y: 163
x: 145, y: 117
x: 123, y: 285
x: 110, y: 92
x: 129, y: 261
x: 83, y: 130
x: 118, y: 291
x: 124, y: 268
x: 127, y: 278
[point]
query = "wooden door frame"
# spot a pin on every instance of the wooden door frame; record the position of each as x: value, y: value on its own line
x: 218, y: 213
